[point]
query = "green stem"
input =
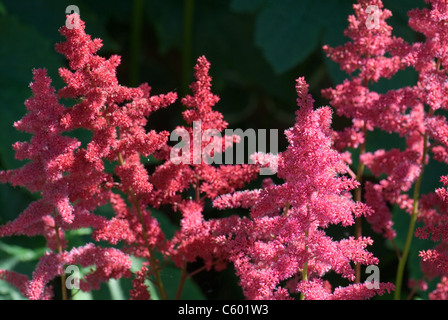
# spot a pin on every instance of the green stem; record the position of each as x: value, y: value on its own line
x: 152, y: 260
x: 183, y: 278
x: 63, y: 278
x: 305, y: 266
x: 136, y: 30
x: 288, y: 206
x: 403, y: 259
x: 358, y: 198
x: 187, y: 45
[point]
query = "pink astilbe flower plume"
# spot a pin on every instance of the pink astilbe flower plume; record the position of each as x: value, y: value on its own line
x: 430, y: 61
x: 21, y: 282
x: 109, y: 263
x: 73, y: 180
x: 195, y: 173
x: 51, y: 156
x: 285, y: 234
x: 375, y: 53
x: 117, y: 116
x: 409, y: 112
x: 434, y: 262
x: 280, y: 240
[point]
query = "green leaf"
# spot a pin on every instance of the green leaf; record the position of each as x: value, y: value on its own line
x: 116, y: 290
x: 248, y: 6
x: 288, y: 31
x: 2, y: 9
x: 171, y: 276
x: 9, y: 292
x: 21, y: 253
x: 166, y: 18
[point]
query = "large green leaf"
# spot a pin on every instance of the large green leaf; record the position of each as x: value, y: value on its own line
x: 288, y: 32
x: 247, y: 6
x: 171, y: 276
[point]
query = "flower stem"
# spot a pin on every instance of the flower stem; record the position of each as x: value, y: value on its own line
x: 183, y: 278
x: 304, y: 277
x: 404, y: 256
x: 63, y: 279
x: 152, y: 259
x: 358, y: 191
x: 358, y: 198
x: 305, y: 266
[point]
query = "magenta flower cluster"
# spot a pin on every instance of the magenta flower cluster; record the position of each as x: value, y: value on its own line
x: 281, y: 249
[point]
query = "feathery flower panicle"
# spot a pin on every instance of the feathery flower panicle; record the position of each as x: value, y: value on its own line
x: 51, y: 156
x: 376, y: 54
x: 171, y: 179
x: 117, y: 116
x: 409, y: 112
x: 282, y: 248
x: 369, y: 44
x: 441, y: 291
x: 140, y: 290
x: 21, y: 282
x: 434, y: 216
x: 285, y: 239
x: 430, y: 61
x: 109, y: 263
x: 71, y: 179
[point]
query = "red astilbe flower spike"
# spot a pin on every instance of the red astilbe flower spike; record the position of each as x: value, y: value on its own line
x: 105, y: 104
x: 207, y: 180
x: 109, y: 263
x: 51, y: 156
x: 369, y: 43
x: 73, y: 180
x: 431, y: 61
x: 140, y: 289
x: 286, y: 228
x: 21, y: 282
x: 434, y: 216
x: 117, y: 116
x: 376, y: 53
x: 441, y: 291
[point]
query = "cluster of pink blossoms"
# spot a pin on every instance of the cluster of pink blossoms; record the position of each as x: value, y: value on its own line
x: 285, y: 239
x: 281, y: 249
x: 409, y: 112
x: 73, y: 180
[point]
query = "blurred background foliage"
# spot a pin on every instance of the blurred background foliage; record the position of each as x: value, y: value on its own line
x: 257, y: 48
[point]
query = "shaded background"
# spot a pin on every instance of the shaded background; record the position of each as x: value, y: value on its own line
x: 257, y: 48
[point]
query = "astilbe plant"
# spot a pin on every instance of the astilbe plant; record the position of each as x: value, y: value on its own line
x: 285, y: 238
x: 189, y: 168
x: 73, y: 181
x: 408, y: 112
x: 431, y: 62
x: 373, y: 54
x: 283, y: 247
